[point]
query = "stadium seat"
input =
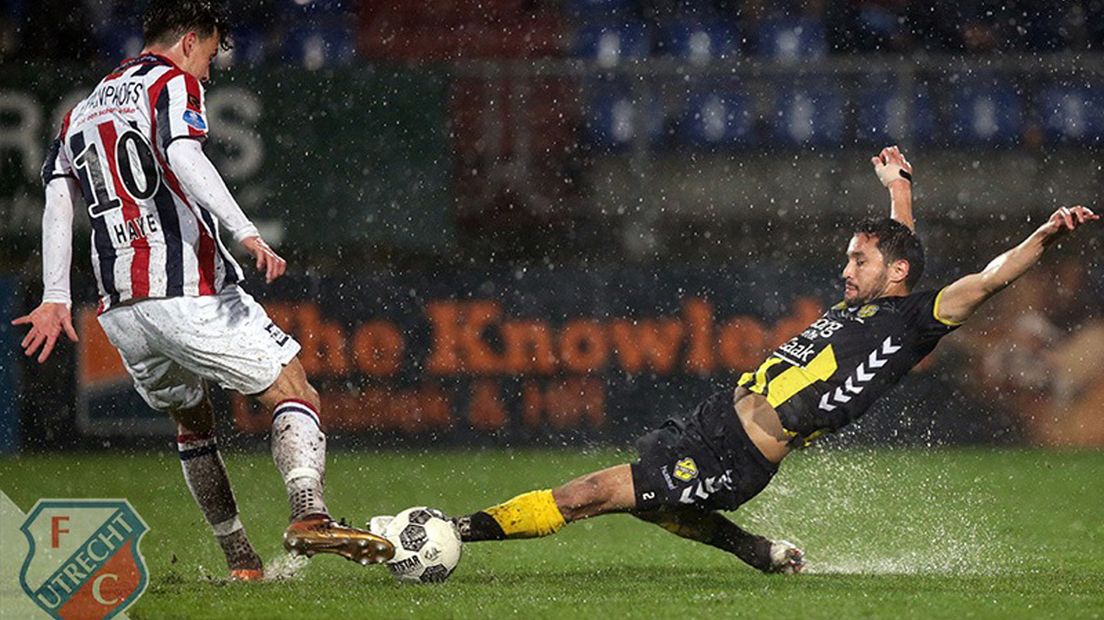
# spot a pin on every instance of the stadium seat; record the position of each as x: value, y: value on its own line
x: 986, y: 113
x: 15, y: 9
x: 614, y: 119
x: 792, y: 40
x: 317, y: 47
x: 718, y: 118
x: 1072, y: 113
x: 248, y: 48
x: 808, y: 115
x: 120, y: 42
x: 881, y: 114
x: 699, y: 42
x: 296, y: 8
x: 597, y: 9
x: 611, y: 43
x: 450, y: 30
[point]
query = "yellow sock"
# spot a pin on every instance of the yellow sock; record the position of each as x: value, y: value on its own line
x: 529, y: 515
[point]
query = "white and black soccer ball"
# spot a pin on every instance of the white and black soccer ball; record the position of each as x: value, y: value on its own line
x: 427, y: 545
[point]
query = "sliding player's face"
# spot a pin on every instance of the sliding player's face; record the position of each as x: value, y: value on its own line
x: 866, y: 274
x: 199, y: 51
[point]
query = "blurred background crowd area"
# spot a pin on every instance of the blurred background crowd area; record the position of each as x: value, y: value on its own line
x: 527, y: 136
x: 428, y: 30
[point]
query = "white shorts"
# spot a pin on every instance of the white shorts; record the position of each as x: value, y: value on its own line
x: 170, y: 346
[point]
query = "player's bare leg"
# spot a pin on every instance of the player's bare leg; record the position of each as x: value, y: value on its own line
x: 299, y: 451
x: 209, y: 483
x: 541, y: 513
x: 714, y: 529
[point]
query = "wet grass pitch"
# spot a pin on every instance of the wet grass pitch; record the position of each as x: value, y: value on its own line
x: 947, y: 533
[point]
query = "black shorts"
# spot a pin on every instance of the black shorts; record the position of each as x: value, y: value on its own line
x: 704, y: 460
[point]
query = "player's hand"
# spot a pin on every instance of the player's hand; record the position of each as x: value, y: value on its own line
x: 892, y: 167
x: 47, y: 322
x: 268, y: 261
x: 1067, y: 219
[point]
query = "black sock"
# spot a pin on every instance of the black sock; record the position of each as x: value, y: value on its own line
x: 478, y: 527
x: 753, y: 550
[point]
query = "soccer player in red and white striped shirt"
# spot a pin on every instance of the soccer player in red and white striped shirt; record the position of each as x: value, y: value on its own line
x: 132, y: 153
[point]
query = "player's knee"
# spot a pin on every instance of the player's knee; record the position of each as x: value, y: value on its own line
x: 199, y: 418
x: 291, y: 384
x: 303, y: 390
x: 311, y: 396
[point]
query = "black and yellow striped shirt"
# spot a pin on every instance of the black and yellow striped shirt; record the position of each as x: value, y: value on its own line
x: 830, y: 374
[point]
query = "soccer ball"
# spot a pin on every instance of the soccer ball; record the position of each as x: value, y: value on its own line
x: 427, y: 545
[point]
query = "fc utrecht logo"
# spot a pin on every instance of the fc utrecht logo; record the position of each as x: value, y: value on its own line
x: 83, y: 559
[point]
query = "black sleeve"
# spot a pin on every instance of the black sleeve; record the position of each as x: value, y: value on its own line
x: 56, y: 164
x: 924, y: 308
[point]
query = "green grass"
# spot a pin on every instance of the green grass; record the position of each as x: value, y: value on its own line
x: 901, y: 534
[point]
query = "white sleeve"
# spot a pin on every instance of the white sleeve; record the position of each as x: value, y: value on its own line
x: 205, y: 186
x: 62, y: 196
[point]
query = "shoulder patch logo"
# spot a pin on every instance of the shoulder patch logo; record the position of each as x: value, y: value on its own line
x: 195, y: 120
x: 868, y: 311
x: 686, y: 469
x: 83, y: 559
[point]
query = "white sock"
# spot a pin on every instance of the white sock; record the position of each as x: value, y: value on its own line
x: 299, y: 451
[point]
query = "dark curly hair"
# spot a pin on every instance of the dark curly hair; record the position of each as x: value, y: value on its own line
x: 168, y: 20
x: 896, y: 242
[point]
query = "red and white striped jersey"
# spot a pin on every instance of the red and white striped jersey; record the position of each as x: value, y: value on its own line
x: 148, y: 238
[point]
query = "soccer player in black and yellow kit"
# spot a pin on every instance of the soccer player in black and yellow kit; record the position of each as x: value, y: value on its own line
x: 728, y: 449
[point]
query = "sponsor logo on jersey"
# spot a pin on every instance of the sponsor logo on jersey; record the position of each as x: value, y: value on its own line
x: 686, y: 469
x: 195, y: 120
x: 796, y: 352
x: 83, y: 559
x: 824, y: 327
x: 868, y: 311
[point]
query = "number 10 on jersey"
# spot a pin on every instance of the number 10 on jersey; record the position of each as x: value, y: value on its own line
x: 130, y: 165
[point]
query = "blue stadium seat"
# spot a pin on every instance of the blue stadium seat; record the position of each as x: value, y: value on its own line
x: 15, y: 9
x: 597, y: 9
x: 700, y: 42
x: 614, y: 119
x: 808, y: 115
x: 315, y: 7
x: 1072, y: 113
x: 986, y: 113
x: 315, y: 47
x: 248, y: 48
x: 718, y: 118
x: 611, y: 43
x: 881, y: 115
x: 119, y: 42
x: 792, y: 39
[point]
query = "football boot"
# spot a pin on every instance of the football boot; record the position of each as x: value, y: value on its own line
x: 786, y: 558
x: 321, y: 534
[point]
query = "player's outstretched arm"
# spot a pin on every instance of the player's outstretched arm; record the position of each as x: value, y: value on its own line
x: 959, y: 300
x: 52, y: 316
x: 895, y: 173
x: 204, y: 184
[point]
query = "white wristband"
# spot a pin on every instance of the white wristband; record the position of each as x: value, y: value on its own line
x: 887, y: 173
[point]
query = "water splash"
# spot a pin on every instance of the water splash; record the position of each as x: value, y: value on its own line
x: 286, y: 567
x: 859, y: 513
